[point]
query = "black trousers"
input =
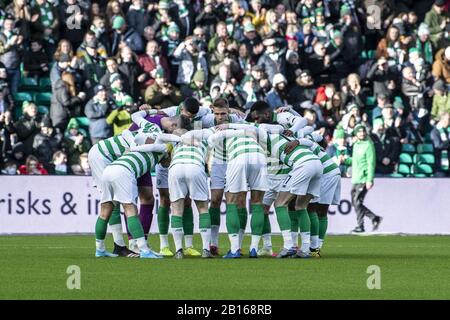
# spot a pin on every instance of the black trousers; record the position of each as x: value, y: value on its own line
x: 358, y: 193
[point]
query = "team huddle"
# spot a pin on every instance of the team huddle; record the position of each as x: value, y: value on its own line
x: 272, y: 156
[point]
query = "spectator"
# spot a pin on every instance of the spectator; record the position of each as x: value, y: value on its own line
x: 303, y: 90
x: 97, y: 110
x: 437, y: 21
x: 9, y: 168
x: 111, y: 68
x: 197, y: 88
x: 352, y: 91
x: 125, y: 36
x: 93, y: 67
x: 66, y: 102
x: 162, y: 94
x: 207, y: 18
x: 423, y: 43
x: 98, y: 27
x: 319, y: 63
x: 151, y: 61
x: 135, y: 76
x: 82, y: 167
x: 59, y: 163
x: 138, y: 17
x: 440, y: 137
x: 46, y: 26
x: 46, y: 142
x: 10, y: 48
x: 32, y: 167
x: 441, y: 101
x: 75, y: 143
x: 340, y: 152
x: 277, y: 97
x: 387, y: 147
x: 28, y: 126
x: 35, y: 62
x: 441, y: 65
x: 272, y: 59
x: 383, y: 78
x: 69, y: 18
x: 62, y: 65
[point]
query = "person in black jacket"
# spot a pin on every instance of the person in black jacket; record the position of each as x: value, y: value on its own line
x: 207, y: 18
x: 440, y: 137
x: 28, y: 126
x: 125, y: 36
x: 35, y: 62
x: 46, y: 143
x: 387, y: 147
x: 135, y: 75
x: 73, y: 23
x: 138, y: 17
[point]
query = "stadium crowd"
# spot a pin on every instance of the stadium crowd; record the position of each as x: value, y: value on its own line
x: 73, y: 71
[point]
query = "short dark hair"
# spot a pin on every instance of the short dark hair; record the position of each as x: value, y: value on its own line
x: 191, y: 105
x: 220, y: 103
x: 185, y: 123
x: 260, y: 107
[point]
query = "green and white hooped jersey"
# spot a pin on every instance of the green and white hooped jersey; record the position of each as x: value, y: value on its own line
x: 114, y: 147
x: 276, y: 143
x: 237, y: 146
x: 185, y: 154
x: 219, y: 152
x: 330, y: 168
x: 139, y: 163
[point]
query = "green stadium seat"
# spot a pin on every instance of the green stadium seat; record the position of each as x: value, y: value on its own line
x: 419, y: 175
x: 23, y: 96
x: 398, y: 99
x: 370, y: 101
x: 426, y: 158
x: 423, y: 168
x: 45, y: 84
x: 405, y: 158
x: 408, y: 148
x: 404, y: 169
x: 43, y: 109
x: 371, y: 54
x: 425, y: 148
x: 396, y: 175
x: 28, y: 84
x: 427, y: 137
x: 43, y: 98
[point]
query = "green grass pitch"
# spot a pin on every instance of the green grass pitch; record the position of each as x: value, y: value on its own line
x: 413, y: 267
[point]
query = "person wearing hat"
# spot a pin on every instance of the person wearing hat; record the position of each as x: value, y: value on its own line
x: 277, y: 96
x: 28, y: 125
x: 387, y: 146
x: 62, y: 64
x: 272, y: 59
x: 441, y: 100
x: 251, y: 37
x: 436, y: 19
x: 161, y: 94
x: 198, y: 88
x: 96, y: 111
x: 75, y: 143
x: 441, y: 65
x: 93, y: 66
x: 340, y: 151
x: 423, y: 43
x: 338, y: 65
x: 363, y: 172
x: 46, y: 142
x: 125, y: 36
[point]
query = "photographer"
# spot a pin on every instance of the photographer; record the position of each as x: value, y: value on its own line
x: 96, y: 110
x: 161, y: 94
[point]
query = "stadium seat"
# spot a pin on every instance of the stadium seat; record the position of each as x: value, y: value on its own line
x: 404, y: 169
x: 23, y: 96
x: 370, y: 101
x: 424, y: 158
x: 427, y: 137
x: 28, y: 84
x: 45, y: 84
x: 408, y: 148
x: 43, y: 98
x: 396, y: 175
x: 425, y: 148
x: 43, y: 109
x: 419, y: 175
x: 405, y: 158
x: 423, y: 168
x: 371, y: 54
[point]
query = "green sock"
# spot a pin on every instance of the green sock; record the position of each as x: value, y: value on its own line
x: 163, y: 220
x: 188, y: 221
x: 100, y: 229
x: 135, y: 227
x: 314, y: 223
x: 232, y: 219
x: 267, y: 228
x: 283, y: 218
x: 176, y: 222
x: 215, y: 216
x: 323, y: 225
x: 115, y: 216
x: 204, y: 220
x: 257, y: 221
x: 294, y: 221
x: 303, y: 218
x: 243, y: 216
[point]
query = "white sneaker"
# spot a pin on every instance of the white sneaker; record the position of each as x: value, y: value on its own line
x: 132, y: 245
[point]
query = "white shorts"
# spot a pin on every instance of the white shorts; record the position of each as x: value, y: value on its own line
x: 245, y: 174
x: 97, y: 162
x: 162, y: 175
x: 187, y: 179
x: 275, y: 184
x: 119, y: 185
x: 330, y: 190
x: 217, y: 174
x: 304, y: 179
